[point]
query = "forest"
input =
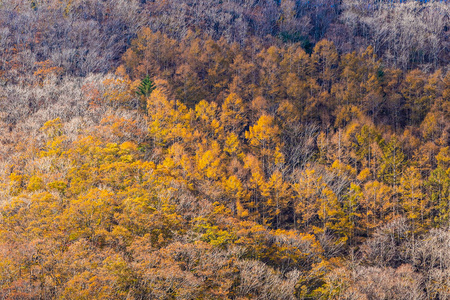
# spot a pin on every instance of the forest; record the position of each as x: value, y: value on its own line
x: 224, y: 149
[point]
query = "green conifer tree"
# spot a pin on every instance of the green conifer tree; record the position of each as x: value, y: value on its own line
x: 144, y: 90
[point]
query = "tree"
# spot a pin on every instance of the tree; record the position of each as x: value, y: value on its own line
x: 392, y: 162
x: 144, y: 90
x: 324, y: 63
x: 412, y: 198
x: 438, y: 186
x: 264, y: 139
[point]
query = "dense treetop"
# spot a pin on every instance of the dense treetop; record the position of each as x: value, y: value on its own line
x: 224, y: 149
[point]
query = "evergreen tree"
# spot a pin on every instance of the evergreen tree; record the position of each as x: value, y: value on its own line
x: 144, y: 90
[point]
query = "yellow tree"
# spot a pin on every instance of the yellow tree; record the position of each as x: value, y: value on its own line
x: 276, y: 195
x: 243, y: 82
x: 233, y: 115
x: 271, y: 84
x: 324, y: 63
x: 169, y: 121
x: 207, y: 116
x: 412, y: 198
x: 417, y: 101
x: 376, y: 205
x: 318, y: 206
x: 439, y: 188
x: 264, y: 139
x: 208, y: 160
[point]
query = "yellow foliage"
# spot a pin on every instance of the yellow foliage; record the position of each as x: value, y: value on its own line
x: 231, y: 144
x: 35, y: 183
x: 364, y: 174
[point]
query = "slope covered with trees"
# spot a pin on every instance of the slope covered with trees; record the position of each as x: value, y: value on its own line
x: 224, y: 150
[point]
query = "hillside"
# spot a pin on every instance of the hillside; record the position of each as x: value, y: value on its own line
x: 224, y: 149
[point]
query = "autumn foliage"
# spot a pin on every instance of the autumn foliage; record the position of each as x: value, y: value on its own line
x: 213, y: 166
